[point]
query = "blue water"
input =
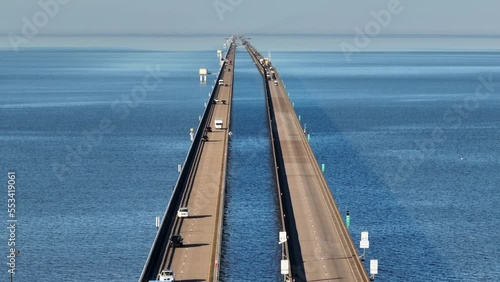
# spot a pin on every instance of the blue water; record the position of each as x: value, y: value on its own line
x: 251, y: 223
x: 95, y: 220
x: 432, y: 214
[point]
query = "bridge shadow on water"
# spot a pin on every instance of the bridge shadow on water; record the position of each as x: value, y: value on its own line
x: 344, y: 136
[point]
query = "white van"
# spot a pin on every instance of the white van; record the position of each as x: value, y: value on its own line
x: 218, y: 123
x: 167, y: 275
x: 183, y: 212
x: 221, y: 82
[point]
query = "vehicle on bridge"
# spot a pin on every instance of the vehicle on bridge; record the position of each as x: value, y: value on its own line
x: 221, y: 81
x: 176, y: 241
x: 275, y: 82
x: 218, y: 123
x: 183, y: 212
x: 167, y: 275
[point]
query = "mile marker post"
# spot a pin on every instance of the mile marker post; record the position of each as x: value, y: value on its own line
x: 373, y: 268
x: 364, y: 244
x: 284, y: 260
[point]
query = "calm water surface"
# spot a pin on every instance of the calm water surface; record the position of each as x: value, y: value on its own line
x: 92, y: 175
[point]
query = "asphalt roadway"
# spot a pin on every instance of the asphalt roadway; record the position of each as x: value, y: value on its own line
x: 198, y: 259
x: 328, y: 252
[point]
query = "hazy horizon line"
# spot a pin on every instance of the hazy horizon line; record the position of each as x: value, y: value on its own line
x: 389, y: 35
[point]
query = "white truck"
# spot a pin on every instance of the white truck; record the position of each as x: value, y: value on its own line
x: 167, y: 275
x: 218, y: 123
x: 221, y: 82
x: 183, y: 212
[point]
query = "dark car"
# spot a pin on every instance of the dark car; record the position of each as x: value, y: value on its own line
x: 176, y: 241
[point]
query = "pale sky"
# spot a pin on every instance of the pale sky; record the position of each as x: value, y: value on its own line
x: 480, y: 17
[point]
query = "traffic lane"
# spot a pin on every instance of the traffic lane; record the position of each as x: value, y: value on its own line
x: 194, y: 262
x: 206, y: 187
x: 323, y: 256
x: 315, y: 225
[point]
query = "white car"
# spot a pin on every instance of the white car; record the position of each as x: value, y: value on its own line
x: 167, y: 275
x: 183, y: 212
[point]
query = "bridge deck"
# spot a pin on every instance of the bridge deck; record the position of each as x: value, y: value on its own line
x: 204, y: 196
x: 328, y: 252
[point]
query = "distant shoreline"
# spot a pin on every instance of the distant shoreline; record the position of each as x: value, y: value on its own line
x: 286, y: 42
x: 394, y: 35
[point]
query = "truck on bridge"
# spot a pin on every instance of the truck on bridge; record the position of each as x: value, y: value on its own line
x: 218, y: 123
x: 165, y: 275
